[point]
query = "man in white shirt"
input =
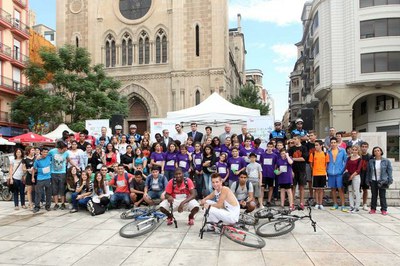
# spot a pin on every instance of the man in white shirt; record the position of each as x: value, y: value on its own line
x: 180, y: 135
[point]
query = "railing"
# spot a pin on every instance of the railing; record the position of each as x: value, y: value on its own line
x: 5, y: 16
x: 20, y: 57
x: 4, y: 116
x: 11, y: 84
x: 5, y: 49
x: 17, y: 24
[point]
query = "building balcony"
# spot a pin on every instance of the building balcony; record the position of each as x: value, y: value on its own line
x: 5, y: 52
x: 19, y: 59
x: 5, y: 117
x: 20, y: 29
x: 10, y: 86
x: 5, y: 19
x: 20, y: 3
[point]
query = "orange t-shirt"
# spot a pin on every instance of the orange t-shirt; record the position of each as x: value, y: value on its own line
x: 318, y: 161
x: 334, y: 154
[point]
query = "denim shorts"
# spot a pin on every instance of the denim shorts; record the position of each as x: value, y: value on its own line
x: 154, y: 194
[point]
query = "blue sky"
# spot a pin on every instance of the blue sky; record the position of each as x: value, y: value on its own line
x: 271, y: 29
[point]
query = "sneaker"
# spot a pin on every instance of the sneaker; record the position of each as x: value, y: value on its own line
x: 321, y: 207
x: 47, y: 208
x: 352, y: 209
x: 344, y: 209
x: 302, y: 206
x: 384, y: 212
x: 191, y: 222
x: 261, y: 206
x: 365, y: 207
x: 355, y: 210
x: 62, y: 206
x: 35, y: 210
x: 334, y: 207
x: 268, y: 204
x: 209, y: 228
x: 316, y: 207
x: 16, y: 208
x: 73, y: 210
x: 372, y: 211
x: 292, y: 208
x: 56, y: 207
x: 169, y: 221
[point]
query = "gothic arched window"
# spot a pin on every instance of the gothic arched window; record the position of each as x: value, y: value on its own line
x: 111, y: 53
x: 161, y: 47
x: 127, y: 50
x: 144, y: 48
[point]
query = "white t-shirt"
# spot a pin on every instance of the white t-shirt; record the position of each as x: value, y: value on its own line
x: 378, y: 170
x: 17, y: 168
x: 154, y: 185
x: 181, y: 137
x: 242, y: 193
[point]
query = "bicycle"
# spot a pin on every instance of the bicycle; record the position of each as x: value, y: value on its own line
x: 5, y: 192
x: 283, y: 224
x: 134, y: 212
x: 237, y: 235
x: 143, y: 224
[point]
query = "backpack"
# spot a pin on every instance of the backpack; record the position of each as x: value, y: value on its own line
x: 97, y: 208
x: 126, y: 178
x: 247, y: 186
x: 185, y: 181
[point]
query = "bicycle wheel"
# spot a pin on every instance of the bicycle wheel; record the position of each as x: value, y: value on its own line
x: 247, y: 219
x: 6, y: 194
x: 275, y: 228
x: 266, y: 213
x: 243, y: 237
x: 138, y: 228
x: 133, y: 213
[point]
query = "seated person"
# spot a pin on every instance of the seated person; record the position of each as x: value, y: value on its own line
x: 120, y: 182
x: 244, y: 192
x: 226, y: 208
x: 155, y: 186
x: 83, y: 192
x: 137, y: 188
x: 181, y: 193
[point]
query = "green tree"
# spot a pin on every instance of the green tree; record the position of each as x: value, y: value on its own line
x: 249, y: 97
x: 86, y: 92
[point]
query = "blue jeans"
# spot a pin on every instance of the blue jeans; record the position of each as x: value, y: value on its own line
x: 117, y: 197
x: 169, y: 174
x: 76, y: 202
x: 207, y: 184
x: 19, y: 188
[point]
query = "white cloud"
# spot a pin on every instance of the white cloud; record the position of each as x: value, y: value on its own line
x: 285, y: 52
x: 280, y: 12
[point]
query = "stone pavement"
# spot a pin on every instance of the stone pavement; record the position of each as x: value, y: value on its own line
x: 61, y: 238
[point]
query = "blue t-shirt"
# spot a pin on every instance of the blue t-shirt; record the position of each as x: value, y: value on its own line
x: 58, y: 161
x: 43, y: 168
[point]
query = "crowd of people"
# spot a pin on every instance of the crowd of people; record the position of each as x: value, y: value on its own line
x: 228, y: 172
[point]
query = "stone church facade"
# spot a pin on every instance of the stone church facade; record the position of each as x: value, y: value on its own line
x: 168, y: 54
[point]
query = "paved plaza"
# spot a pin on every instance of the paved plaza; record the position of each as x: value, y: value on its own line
x: 61, y: 238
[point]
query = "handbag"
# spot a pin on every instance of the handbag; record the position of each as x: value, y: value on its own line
x: 12, y: 187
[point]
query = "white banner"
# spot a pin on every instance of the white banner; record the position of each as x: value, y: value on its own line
x: 157, y: 125
x: 261, y: 127
x: 94, y: 127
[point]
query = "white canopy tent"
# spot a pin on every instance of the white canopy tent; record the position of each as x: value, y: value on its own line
x: 57, y: 133
x: 214, y: 110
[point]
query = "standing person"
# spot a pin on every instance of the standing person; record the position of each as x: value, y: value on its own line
x: 216, y: 144
x: 299, y: 131
x: 166, y: 139
x: 83, y: 192
x: 300, y: 156
x: 209, y: 160
x: 140, y: 159
x: 111, y: 156
x: 222, y: 169
x: 181, y: 193
x: 242, y: 137
x: 127, y: 159
x: 157, y: 158
x: 81, y: 144
x: 278, y: 133
x: 227, y: 133
x: 197, y: 158
x: 254, y: 171
x: 258, y: 151
x: 183, y: 160
x: 132, y: 132
x: 208, y: 134
x: 327, y: 141
x: 341, y: 143
x: 103, y: 134
x: 336, y: 166
x: 236, y: 165
x: 76, y: 156
x: 245, y: 150
x: 197, y: 136
x: 365, y: 157
x: 98, y: 156
x: 170, y: 163
x: 379, y: 177
x: 180, y: 135
x: 27, y: 166
x: 16, y: 178
x: 122, y: 145
x: 310, y: 145
x: 319, y: 160
x: 42, y: 166
x: 268, y: 164
x: 285, y: 177
x: 354, y: 139
x: 353, y: 167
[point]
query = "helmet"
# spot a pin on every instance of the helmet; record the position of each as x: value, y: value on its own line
x: 298, y: 120
x: 118, y: 127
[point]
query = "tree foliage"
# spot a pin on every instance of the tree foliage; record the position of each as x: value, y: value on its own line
x: 79, y: 90
x: 249, y: 97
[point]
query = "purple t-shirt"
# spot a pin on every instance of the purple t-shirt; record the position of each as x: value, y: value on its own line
x: 170, y: 160
x: 259, y: 152
x: 197, y: 159
x: 225, y: 149
x: 190, y: 149
x: 286, y: 176
x: 268, y: 164
x: 217, y: 151
x: 222, y: 169
x: 158, y: 157
x: 234, y: 165
x: 183, y: 161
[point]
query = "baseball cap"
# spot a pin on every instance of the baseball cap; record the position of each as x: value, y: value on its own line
x: 118, y: 127
x: 299, y: 120
x: 133, y: 126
